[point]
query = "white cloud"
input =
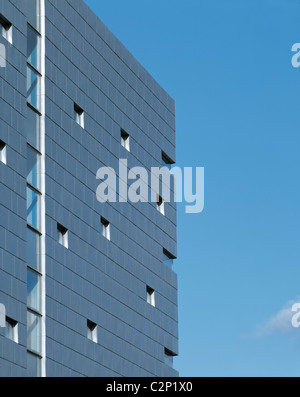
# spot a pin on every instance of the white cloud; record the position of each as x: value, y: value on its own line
x: 280, y: 322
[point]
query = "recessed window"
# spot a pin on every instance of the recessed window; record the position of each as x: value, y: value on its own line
x: 33, y: 128
x: 33, y: 290
x: 169, y: 356
x: 168, y: 259
x: 79, y: 115
x: 34, y: 332
x: 125, y: 140
x: 33, y: 167
x: 150, y: 296
x: 3, y: 152
x: 33, y: 208
x: 11, y: 329
x: 6, y: 29
x: 33, y: 249
x: 166, y: 161
x: 33, y: 87
x: 160, y: 205
x: 33, y: 13
x: 105, y: 228
x: 33, y: 48
x: 92, y: 331
x: 62, y: 235
x: 33, y: 365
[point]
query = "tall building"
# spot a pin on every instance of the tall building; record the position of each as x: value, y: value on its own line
x: 86, y: 288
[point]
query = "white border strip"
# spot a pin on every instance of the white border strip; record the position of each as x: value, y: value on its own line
x: 43, y: 191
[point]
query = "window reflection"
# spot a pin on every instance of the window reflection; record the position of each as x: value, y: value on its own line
x: 33, y: 13
x: 33, y: 249
x: 33, y: 208
x: 33, y: 290
x: 33, y: 332
x: 33, y: 174
x: 33, y: 88
x: 33, y: 48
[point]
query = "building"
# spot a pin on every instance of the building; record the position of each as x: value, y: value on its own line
x: 86, y: 288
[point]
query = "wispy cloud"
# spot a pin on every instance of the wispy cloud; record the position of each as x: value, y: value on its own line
x: 281, y: 322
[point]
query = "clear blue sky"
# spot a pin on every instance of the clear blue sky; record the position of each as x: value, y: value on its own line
x: 227, y: 64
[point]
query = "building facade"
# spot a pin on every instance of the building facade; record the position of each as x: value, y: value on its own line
x: 86, y: 288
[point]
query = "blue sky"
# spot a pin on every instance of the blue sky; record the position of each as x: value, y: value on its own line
x: 227, y: 64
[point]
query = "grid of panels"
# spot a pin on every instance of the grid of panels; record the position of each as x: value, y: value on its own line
x: 95, y: 277
x: 107, y: 279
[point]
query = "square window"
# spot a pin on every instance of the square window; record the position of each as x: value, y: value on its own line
x: 105, y: 228
x: 125, y: 140
x: 79, y: 115
x: 160, y: 205
x: 166, y: 161
x: 150, y: 296
x: 62, y: 235
x: 11, y: 329
x: 168, y: 259
x: 3, y: 152
x: 169, y: 356
x: 6, y: 29
x: 92, y: 331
